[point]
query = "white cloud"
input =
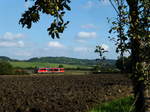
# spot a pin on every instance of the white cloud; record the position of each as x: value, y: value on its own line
x: 86, y: 35
x: 23, y: 53
x: 11, y: 44
x: 11, y: 36
x: 20, y: 43
x: 81, y: 49
x: 88, y: 26
x: 81, y: 41
x: 55, y: 44
x: 105, y: 47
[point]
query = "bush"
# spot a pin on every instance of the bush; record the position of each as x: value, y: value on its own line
x: 6, y: 68
x: 60, y: 66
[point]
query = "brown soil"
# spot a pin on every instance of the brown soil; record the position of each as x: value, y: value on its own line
x: 45, y: 93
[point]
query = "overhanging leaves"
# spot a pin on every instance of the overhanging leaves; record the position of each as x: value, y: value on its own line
x: 54, y: 8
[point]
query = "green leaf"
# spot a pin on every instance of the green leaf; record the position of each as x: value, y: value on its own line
x: 57, y: 35
x: 141, y: 78
x: 53, y: 35
x: 68, y: 1
x: 66, y: 23
x: 110, y: 31
x: 67, y: 7
x: 62, y: 13
x: 60, y: 17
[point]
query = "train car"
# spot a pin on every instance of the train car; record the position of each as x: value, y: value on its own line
x: 50, y: 70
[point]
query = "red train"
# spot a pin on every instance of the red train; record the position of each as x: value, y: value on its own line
x: 50, y: 70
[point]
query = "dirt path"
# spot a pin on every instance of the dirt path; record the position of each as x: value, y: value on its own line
x: 45, y: 93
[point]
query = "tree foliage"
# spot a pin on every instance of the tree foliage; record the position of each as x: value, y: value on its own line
x: 100, y: 62
x: 124, y: 66
x: 119, y: 28
x: 136, y: 39
x: 100, y: 50
x: 54, y: 8
x: 5, y: 68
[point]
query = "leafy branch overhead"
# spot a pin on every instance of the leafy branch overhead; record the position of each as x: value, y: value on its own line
x: 54, y: 8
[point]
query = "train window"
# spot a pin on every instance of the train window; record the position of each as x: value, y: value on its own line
x: 43, y: 69
x: 56, y: 69
x: 49, y: 69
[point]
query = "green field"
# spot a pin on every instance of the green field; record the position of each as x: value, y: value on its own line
x: 48, y: 65
x: 119, y: 105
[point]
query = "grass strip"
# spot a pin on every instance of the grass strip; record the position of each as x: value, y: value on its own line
x: 119, y: 105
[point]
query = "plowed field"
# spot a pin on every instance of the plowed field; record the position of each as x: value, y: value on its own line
x: 71, y: 93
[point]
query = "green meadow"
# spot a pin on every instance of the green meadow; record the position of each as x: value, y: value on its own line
x: 40, y: 65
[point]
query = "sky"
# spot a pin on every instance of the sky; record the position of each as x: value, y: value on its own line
x: 88, y: 28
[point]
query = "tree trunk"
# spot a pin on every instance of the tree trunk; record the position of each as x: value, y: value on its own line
x: 147, y: 99
x: 139, y: 97
x: 139, y: 86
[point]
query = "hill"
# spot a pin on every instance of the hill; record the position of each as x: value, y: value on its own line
x: 4, y: 58
x: 71, y: 61
x: 63, y: 60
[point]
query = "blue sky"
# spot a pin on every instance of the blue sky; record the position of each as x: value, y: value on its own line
x: 88, y: 27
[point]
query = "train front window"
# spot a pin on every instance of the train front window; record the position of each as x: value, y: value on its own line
x: 56, y: 69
